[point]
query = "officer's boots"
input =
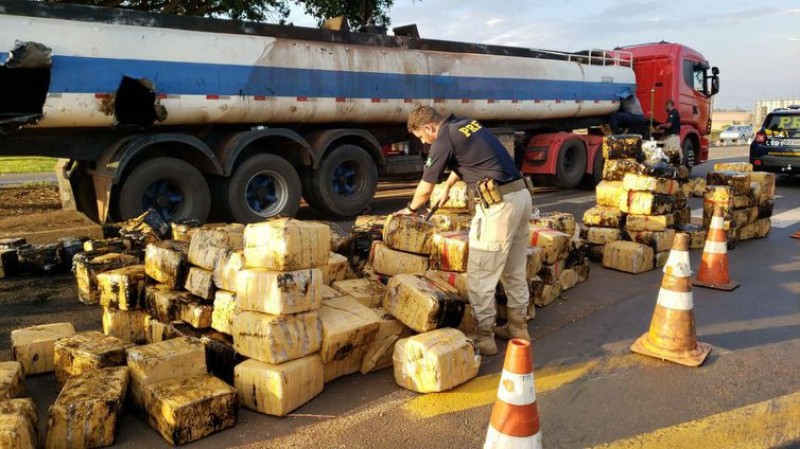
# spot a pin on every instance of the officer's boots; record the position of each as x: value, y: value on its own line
x: 517, y: 326
x: 484, y: 340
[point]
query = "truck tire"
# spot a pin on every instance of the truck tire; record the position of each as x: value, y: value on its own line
x: 262, y: 186
x: 571, y: 164
x: 591, y: 181
x: 171, y: 186
x: 344, y: 183
x: 689, y: 156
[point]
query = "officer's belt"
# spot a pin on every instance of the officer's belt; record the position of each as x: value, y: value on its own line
x: 511, y: 187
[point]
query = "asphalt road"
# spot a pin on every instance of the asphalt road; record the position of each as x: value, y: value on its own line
x: 591, y: 390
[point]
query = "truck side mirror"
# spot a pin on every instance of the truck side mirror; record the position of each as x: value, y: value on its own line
x: 714, y: 85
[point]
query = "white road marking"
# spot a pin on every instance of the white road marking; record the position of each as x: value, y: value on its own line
x: 575, y: 200
x: 786, y: 219
x: 697, y: 212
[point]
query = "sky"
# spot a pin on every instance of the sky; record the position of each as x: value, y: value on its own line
x: 755, y: 44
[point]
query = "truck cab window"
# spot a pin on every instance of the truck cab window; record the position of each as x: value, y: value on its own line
x: 694, y: 75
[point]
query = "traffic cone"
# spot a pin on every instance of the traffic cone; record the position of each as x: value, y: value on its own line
x: 672, y: 334
x: 796, y: 235
x: 515, y: 416
x: 713, y: 272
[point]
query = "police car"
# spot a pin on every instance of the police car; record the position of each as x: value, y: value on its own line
x: 776, y: 147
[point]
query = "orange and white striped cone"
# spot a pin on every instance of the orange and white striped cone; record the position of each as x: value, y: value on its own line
x: 672, y: 334
x: 515, y: 417
x: 713, y: 272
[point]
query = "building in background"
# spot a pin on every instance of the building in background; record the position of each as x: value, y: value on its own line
x: 722, y: 118
x: 764, y: 107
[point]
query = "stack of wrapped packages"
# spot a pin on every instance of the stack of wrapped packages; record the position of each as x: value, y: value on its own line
x: 639, y: 202
x: 746, y: 198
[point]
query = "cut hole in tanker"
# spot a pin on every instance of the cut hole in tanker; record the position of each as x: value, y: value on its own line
x: 135, y: 103
x: 24, y: 82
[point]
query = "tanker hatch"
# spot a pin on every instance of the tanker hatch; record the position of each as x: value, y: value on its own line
x: 24, y: 82
x: 136, y: 103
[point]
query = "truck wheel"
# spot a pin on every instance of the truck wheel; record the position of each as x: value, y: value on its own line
x: 571, y: 164
x: 171, y: 186
x: 345, y: 182
x: 688, y: 154
x: 590, y: 181
x: 263, y: 186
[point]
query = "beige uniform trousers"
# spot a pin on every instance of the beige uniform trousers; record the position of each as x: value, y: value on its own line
x: 498, y: 243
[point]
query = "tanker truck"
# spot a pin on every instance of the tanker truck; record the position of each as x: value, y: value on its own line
x: 245, y: 120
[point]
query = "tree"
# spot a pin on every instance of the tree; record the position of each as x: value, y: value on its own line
x: 357, y: 12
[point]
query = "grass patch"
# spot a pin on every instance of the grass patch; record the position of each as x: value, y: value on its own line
x: 27, y: 164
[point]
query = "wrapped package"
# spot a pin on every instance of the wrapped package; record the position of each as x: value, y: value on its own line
x: 697, y: 235
x: 682, y: 216
x: 450, y: 251
x: 122, y: 288
x: 88, y: 408
x: 168, y: 305
x: 350, y: 364
x: 444, y: 222
x: 698, y: 187
x: 642, y: 183
x: 630, y: 257
x: 604, y: 217
x: 582, y: 270
x: 207, y: 247
x: 616, y: 169
x: 738, y: 182
x: 554, y: 244
x: 370, y: 223
x: 743, y: 216
x: 277, y: 339
x: 392, y: 262
x: 87, y: 351
x: 221, y: 356
x: 649, y: 222
x: 9, y: 263
x: 459, y: 280
x: 596, y: 252
x: 459, y: 200
x: 366, y: 291
x: 200, y: 283
x: 18, y: 424
x: 347, y: 325
x: 742, y: 201
x: 408, y: 233
x: 87, y: 266
x: 181, y: 229
x: 542, y: 294
x: 658, y: 240
x: 170, y: 359
x: 568, y: 279
x: 166, y: 262
x: 623, y: 146
x: 12, y: 380
x: 549, y: 274
x: 278, y: 389
x: 379, y: 351
x: 227, y: 269
x: 681, y: 200
x: 327, y: 293
x: 558, y: 221
x: 767, y: 181
x: 39, y: 259
x: 33, y: 346
x: 335, y: 269
x: 609, y: 194
x: 535, y: 260
x: 646, y: 203
x: 279, y: 293
x: 105, y: 245
x: 757, y: 229
x: 423, y: 304
x: 661, y: 259
x: 185, y: 409
x: 435, y: 361
x: 765, y: 209
x: 286, y: 244
x: 733, y: 166
x: 158, y: 331
x: 223, y: 312
x: 127, y: 325
x: 601, y: 236
x: 578, y: 250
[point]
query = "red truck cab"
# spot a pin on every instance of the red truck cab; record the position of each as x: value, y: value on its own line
x: 663, y: 71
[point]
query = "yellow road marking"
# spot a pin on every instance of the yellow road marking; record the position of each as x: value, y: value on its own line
x: 483, y: 390
x: 765, y: 424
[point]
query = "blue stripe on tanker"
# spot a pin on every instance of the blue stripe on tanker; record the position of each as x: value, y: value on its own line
x: 73, y: 74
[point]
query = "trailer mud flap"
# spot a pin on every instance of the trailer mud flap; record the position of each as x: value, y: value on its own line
x: 24, y: 83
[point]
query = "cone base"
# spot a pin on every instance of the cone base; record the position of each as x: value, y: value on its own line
x: 691, y: 358
x: 727, y: 287
x: 796, y: 235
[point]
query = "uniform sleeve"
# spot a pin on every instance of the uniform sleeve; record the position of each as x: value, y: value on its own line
x: 675, y: 119
x: 438, y: 159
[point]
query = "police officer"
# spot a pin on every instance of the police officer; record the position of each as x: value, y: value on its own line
x: 672, y: 128
x: 498, y: 236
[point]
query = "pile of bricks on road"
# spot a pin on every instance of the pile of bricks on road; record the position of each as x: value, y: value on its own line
x: 639, y: 206
x: 746, y: 197
x: 198, y: 320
